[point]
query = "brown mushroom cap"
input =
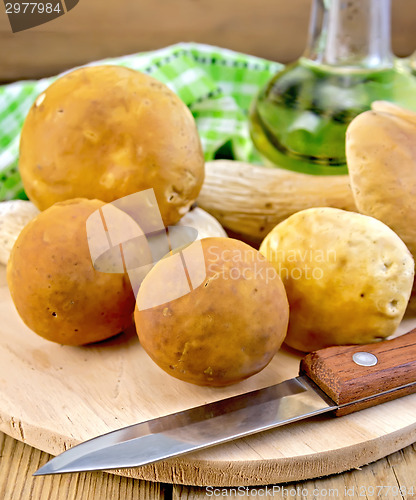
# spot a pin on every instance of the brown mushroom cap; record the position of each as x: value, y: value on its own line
x: 105, y: 132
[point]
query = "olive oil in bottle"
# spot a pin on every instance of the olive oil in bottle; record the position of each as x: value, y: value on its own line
x: 299, y: 119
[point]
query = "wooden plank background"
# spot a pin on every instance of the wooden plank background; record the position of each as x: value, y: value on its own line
x: 18, y: 461
x: 94, y: 29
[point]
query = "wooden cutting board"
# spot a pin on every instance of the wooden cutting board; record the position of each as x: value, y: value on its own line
x: 54, y: 396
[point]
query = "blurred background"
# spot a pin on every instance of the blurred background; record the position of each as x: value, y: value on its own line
x: 95, y: 29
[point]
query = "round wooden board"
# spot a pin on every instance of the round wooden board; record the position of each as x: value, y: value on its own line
x: 54, y: 396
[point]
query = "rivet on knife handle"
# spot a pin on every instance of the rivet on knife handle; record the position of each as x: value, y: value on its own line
x: 334, y: 370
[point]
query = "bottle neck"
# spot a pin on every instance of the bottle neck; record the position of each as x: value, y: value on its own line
x: 350, y: 33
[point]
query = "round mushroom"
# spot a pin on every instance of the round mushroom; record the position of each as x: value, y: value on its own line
x: 106, y: 132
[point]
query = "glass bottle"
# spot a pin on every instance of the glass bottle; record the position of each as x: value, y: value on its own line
x: 299, y: 119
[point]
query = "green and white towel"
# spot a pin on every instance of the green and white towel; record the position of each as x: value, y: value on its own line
x: 217, y: 84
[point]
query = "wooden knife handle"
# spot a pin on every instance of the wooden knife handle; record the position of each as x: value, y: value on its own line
x: 334, y: 370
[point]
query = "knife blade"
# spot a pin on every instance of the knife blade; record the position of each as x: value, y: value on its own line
x: 337, y: 380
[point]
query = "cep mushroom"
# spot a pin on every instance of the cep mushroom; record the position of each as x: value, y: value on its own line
x: 381, y: 156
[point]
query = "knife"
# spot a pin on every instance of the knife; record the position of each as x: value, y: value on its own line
x: 338, y: 380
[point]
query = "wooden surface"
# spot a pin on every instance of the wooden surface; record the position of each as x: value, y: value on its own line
x: 94, y: 29
x: 18, y: 462
x: 54, y: 396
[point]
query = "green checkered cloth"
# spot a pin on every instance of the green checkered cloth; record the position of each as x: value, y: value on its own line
x: 217, y: 84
